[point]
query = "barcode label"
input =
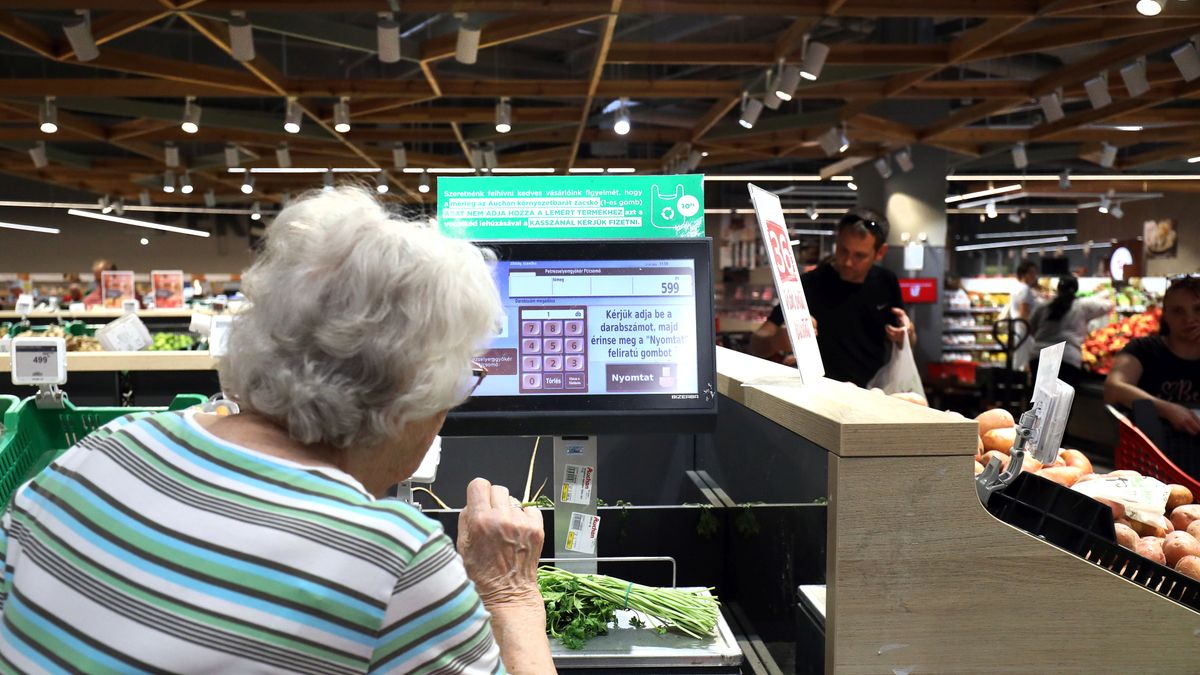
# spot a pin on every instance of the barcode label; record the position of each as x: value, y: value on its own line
x: 577, y: 484
x: 581, y: 535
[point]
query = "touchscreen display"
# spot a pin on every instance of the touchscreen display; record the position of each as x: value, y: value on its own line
x: 595, y: 327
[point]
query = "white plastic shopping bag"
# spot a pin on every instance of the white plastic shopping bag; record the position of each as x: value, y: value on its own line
x: 899, y: 375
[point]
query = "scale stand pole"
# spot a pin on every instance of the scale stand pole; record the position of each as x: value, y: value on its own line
x: 575, y: 521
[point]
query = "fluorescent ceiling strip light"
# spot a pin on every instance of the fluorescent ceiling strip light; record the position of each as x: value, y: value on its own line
x: 1011, y: 244
x: 622, y: 169
x: 822, y: 233
x: 452, y: 170
x: 30, y: 228
x: 587, y: 169
x: 128, y: 207
x: 982, y: 193
x: 137, y: 223
x: 413, y: 169
x: 1077, y: 247
x: 1011, y: 196
x: 1029, y: 233
x: 515, y: 169
x: 302, y: 170
x: 1074, y: 177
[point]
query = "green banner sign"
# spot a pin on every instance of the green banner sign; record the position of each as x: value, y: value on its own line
x: 496, y: 208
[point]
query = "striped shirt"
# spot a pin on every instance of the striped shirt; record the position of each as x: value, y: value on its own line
x: 154, y: 546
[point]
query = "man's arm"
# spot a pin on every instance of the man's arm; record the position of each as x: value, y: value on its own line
x: 1120, y: 388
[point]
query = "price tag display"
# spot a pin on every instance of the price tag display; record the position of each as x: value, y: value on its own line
x: 126, y: 334
x: 25, y: 304
x: 796, y: 314
x: 582, y: 533
x: 39, y: 361
x: 577, y: 484
x: 76, y: 307
x: 201, y: 323
x: 129, y: 306
x: 218, y: 337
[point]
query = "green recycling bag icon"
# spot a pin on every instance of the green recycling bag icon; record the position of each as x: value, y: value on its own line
x: 672, y: 211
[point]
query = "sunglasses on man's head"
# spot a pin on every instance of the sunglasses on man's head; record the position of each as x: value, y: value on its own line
x: 871, y: 225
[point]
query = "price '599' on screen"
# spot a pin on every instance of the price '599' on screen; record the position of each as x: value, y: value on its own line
x: 781, y: 252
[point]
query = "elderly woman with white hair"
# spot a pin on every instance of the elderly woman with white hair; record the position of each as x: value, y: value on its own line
x: 260, y: 542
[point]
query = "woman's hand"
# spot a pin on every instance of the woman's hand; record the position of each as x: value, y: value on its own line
x: 1183, y: 419
x: 500, y: 543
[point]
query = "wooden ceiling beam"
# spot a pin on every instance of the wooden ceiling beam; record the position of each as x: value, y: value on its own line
x: 1118, y: 108
x: 792, y: 40
x: 895, y: 131
x: 115, y: 25
x: 1179, y: 151
x: 503, y: 31
x: 27, y: 35
x: 1074, y: 33
x: 964, y: 48
x: 602, y: 53
x: 471, y: 115
x: 179, y: 71
x: 703, y: 53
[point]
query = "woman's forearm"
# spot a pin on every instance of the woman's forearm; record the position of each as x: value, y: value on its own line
x: 1124, y: 394
x: 520, y: 630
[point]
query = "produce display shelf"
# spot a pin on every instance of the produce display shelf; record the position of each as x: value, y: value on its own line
x: 95, y: 362
x: 967, y: 329
x: 973, y: 310
x: 972, y: 348
x: 626, y: 647
x: 101, y: 314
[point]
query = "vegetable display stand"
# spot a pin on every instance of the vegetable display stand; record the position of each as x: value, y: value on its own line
x: 918, y: 571
x: 34, y: 437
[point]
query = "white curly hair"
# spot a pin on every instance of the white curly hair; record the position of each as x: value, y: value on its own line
x: 358, y: 323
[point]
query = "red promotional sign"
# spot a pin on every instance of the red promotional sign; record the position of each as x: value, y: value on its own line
x: 919, y: 291
x: 781, y: 252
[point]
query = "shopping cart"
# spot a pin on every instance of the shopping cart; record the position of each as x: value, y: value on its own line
x: 1136, y: 451
x: 33, y: 437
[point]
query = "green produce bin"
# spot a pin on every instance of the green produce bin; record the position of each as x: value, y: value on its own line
x: 34, y: 437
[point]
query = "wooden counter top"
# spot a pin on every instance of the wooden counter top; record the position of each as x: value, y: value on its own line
x: 93, y: 362
x: 840, y: 417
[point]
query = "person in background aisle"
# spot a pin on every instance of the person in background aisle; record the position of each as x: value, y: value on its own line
x: 261, y: 542
x: 1165, y: 368
x: 95, y: 295
x: 1065, y: 319
x: 856, y: 304
x: 1024, y: 302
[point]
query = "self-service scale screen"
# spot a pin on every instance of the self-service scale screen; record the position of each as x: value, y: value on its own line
x: 596, y: 329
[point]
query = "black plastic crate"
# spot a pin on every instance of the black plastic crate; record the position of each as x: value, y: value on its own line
x: 1084, y: 526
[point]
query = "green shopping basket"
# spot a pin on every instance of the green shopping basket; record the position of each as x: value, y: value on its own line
x: 34, y: 437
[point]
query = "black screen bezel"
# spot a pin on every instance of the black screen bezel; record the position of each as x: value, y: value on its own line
x: 567, y: 414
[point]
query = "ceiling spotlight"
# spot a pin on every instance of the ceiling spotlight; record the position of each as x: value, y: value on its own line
x: 490, y: 162
x: 1116, y: 211
x: 171, y: 154
x: 169, y: 181
x: 210, y: 198
x: 751, y: 109
x: 106, y: 204
x: 504, y: 115
x: 1052, y: 106
x: 1150, y: 7
x: 1105, y: 203
x: 341, y: 116
x: 248, y: 183
x: 381, y: 183
x: 815, y: 54
x: 38, y: 154
x: 1064, y: 180
x: 621, y: 123
x: 831, y: 141
x: 399, y: 157
x: 466, y: 49
x: 904, y: 160
x: 1194, y: 160
x: 291, y: 120
x: 884, y: 167
x: 1019, y: 156
x: 144, y: 241
x: 48, y: 116
x: 191, y: 116
x: 693, y: 160
x: 770, y: 99
x: 1015, y: 219
x: 255, y: 212
x: 1134, y: 76
x: 231, y: 156
x: 241, y: 37
x: 119, y: 206
x: 423, y: 186
x: 144, y: 198
x: 387, y: 38
x: 1108, y: 155
x: 852, y: 185
x: 812, y: 212
x: 185, y: 183
x: 789, y: 79
x: 1187, y: 60
x: 283, y: 156
x: 1097, y: 91
x: 327, y: 182
x: 79, y: 34
x: 991, y: 209
x: 476, y: 156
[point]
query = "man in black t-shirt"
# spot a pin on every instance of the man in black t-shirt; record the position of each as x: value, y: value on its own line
x: 1165, y: 368
x: 856, y: 305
